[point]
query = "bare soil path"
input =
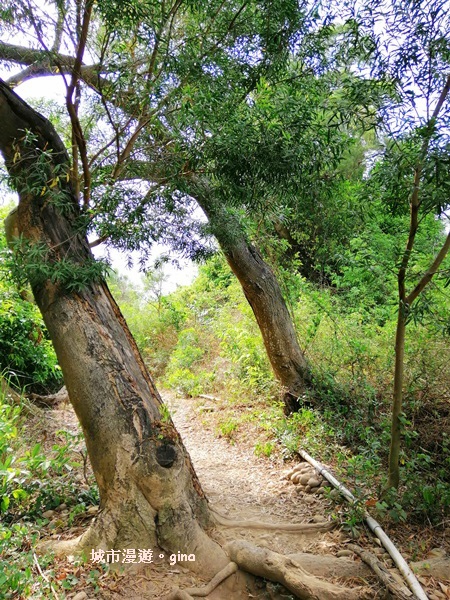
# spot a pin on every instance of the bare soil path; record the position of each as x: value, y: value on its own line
x: 240, y: 486
x: 244, y: 487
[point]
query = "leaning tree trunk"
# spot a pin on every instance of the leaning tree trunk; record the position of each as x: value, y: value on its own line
x: 263, y: 293
x: 149, y: 492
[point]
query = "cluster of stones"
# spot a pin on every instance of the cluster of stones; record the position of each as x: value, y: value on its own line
x: 307, y: 479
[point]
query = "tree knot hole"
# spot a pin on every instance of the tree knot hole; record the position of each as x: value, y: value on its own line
x: 166, y: 455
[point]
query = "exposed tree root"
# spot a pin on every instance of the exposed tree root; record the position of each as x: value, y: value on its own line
x: 328, y: 566
x: 284, y: 570
x: 133, y: 526
x: 207, y: 589
x: 293, y: 527
x: 397, y: 590
x: 51, y: 399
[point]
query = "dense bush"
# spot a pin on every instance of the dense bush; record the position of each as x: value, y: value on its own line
x: 34, y: 479
x: 27, y: 356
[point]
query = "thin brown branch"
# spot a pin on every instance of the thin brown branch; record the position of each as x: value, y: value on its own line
x: 415, y: 202
x: 113, y: 140
x: 414, y: 215
x: 172, y: 14
x: 431, y: 272
x: 98, y: 241
x: 36, y: 27
x: 71, y: 105
x: 398, y: 590
x: 124, y: 155
x: 231, y: 24
x: 442, y: 97
x: 212, y: 21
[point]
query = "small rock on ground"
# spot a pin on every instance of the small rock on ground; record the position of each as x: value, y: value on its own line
x: 80, y: 596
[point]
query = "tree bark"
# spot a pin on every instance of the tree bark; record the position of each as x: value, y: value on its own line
x: 149, y: 492
x: 263, y: 293
x: 276, y: 567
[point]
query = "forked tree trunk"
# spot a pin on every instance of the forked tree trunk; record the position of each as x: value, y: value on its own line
x: 149, y: 492
x: 263, y: 293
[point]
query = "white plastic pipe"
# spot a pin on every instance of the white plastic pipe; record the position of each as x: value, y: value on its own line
x: 375, y: 527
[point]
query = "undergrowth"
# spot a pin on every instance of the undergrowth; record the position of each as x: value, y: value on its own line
x: 36, y: 483
x: 216, y: 348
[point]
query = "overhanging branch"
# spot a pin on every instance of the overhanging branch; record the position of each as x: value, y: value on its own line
x: 41, y: 63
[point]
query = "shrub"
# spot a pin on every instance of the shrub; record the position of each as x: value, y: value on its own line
x: 26, y: 354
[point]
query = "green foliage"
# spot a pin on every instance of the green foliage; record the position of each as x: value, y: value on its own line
x: 44, y: 174
x: 41, y: 172
x: 186, y: 354
x: 32, y: 481
x: 17, y: 578
x: 347, y: 331
x: 243, y: 347
x: 264, y: 449
x: 184, y: 381
x: 155, y: 323
x: 36, y: 263
x: 187, y: 350
x: 227, y: 428
x: 27, y: 356
x: 304, y: 429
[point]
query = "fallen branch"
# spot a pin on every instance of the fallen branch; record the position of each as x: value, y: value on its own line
x: 397, y: 589
x: 282, y: 569
x: 51, y: 399
x: 208, y: 397
x: 205, y: 590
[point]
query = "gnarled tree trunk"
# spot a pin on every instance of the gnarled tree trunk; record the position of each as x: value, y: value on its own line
x: 149, y: 492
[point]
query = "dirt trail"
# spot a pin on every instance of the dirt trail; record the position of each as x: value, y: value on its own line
x: 242, y: 486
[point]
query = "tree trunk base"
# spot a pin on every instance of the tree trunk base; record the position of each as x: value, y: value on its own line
x: 133, y: 523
